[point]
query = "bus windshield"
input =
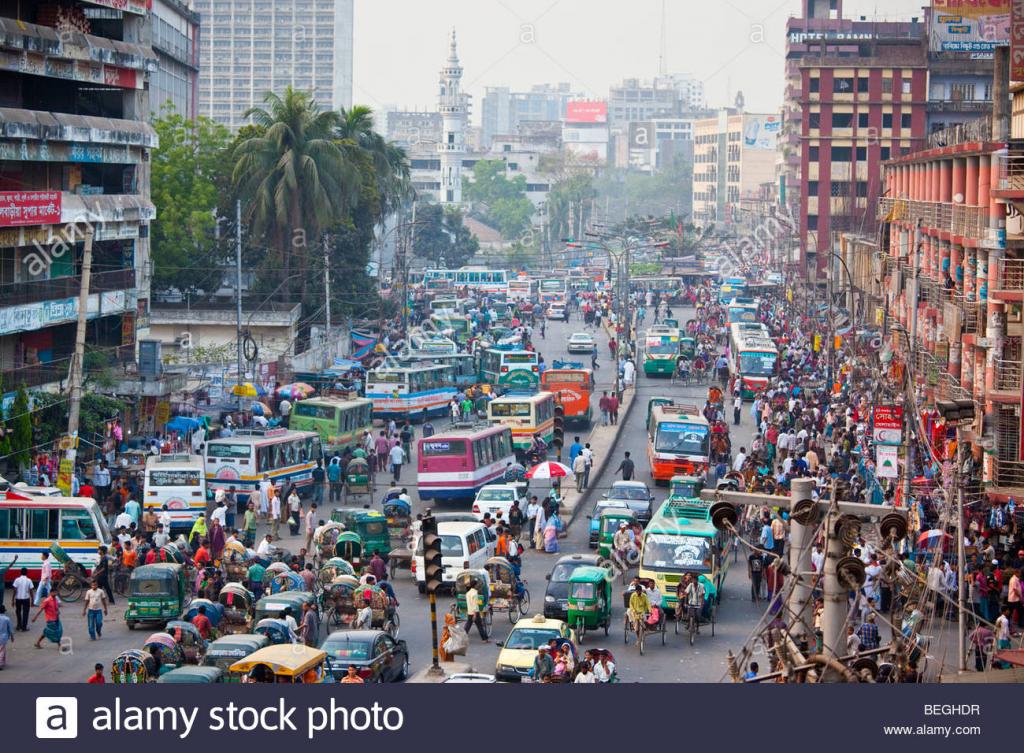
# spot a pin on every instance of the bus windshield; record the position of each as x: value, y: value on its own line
x: 228, y: 450
x: 666, y: 551
x: 662, y: 346
x: 757, y: 364
x: 506, y: 410
x: 174, y: 478
x: 682, y: 439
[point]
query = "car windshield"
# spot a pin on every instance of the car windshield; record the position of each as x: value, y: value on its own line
x: 635, y: 493
x: 682, y: 439
x: 582, y: 338
x: 610, y: 525
x: 563, y: 571
x: 496, y: 495
x: 346, y: 650
x: 671, y: 552
x: 530, y: 638
x: 757, y: 364
x: 451, y: 546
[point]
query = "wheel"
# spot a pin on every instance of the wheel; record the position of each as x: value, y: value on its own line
x: 513, y: 612
x: 714, y: 610
x: 625, y: 632
x: 692, y: 627
x: 130, y: 624
x: 664, y: 630
x: 395, y: 626
x: 640, y: 641
x: 581, y: 629
x: 524, y: 603
x: 70, y: 588
x: 404, y: 674
x: 675, y: 620
x: 392, y: 567
x: 333, y: 617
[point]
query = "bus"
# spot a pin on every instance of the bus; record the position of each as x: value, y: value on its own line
x: 29, y: 524
x: 339, y: 422
x: 474, y: 278
x: 752, y: 358
x: 178, y: 481
x: 661, y: 348
x: 732, y: 287
x: 516, y: 369
x: 742, y: 310
x: 521, y: 289
x: 411, y: 392
x: 572, y: 387
x: 525, y: 415
x: 238, y: 463
x: 463, y: 365
x: 681, y: 539
x: 670, y: 287
x: 678, y: 442
x: 454, y: 326
x: 441, y: 306
x: 454, y: 465
x: 553, y: 289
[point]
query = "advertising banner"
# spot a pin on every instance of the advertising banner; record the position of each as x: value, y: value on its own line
x: 29, y: 208
x: 1017, y: 41
x: 976, y: 28
x: 761, y: 131
x: 587, y: 112
x: 887, y: 461
x: 888, y: 423
x: 971, y: 8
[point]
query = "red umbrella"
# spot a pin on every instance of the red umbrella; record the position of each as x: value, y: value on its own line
x: 550, y: 469
x: 926, y: 538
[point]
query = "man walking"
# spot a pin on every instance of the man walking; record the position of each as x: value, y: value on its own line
x: 737, y: 408
x: 397, y: 457
x: 588, y: 463
x: 22, y: 599
x: 613, y: 409
x: 6, y: 635
x: 627, y: 467
x: 334, y: 479
x: 579, y: 466
x: 275, y: 515
x: 603, y: 405
x: 319, y: 476
x: 95, y: 607
x: 473, y: 613
x: 310, y: 526
x: 45, y: 579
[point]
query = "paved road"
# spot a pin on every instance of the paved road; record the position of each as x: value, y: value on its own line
x: 675, y: 662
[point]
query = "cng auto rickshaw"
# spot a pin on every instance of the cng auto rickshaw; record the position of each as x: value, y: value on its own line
x: 608, y: 524
x: 156, y: 593
x: 508, y: 590
x: 284, y: 664
x: 193, y: 675
x: 358, y: 479
x: 349, y: 547
x: 133, y: 667
x: 225, y: 651
x: 590, y: 600
x: 370, y: 525
x: 482, y: 581
x: 684, y: 487
x: 238, y: 602
x: 688, y: 348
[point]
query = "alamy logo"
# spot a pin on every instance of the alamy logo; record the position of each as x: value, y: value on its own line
x: 56, y: 717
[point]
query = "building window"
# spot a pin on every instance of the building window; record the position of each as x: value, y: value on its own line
x: 812, y: 222
x: 906, y: 86
x: 842, y: 85
x: 841, y: 154
x: 905, y: 120
x: 886, y: 84
x: 862, y: 120
x: 814, y: 85
x: 842, y: 119
x: 812, y: 188
x: 862, y: 84
x: 862, y: 188
x: 885, y: 153
x: 814, y: 120
x: 813, y: 153
x: 886, y: 120
x: 862, y: 154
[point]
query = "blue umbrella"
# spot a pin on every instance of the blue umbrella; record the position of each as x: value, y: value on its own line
x: 183, y: 424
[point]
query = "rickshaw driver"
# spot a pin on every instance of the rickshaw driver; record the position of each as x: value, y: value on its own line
x: 691, y: 593
x: 639, y: 607
x: 622, y: 543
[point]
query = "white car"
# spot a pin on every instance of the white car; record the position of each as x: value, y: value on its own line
x: 580, y: 342
x: 556, y: 311
x: 495, y: 498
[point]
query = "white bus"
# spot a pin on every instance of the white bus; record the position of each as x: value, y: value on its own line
x: 237, y: 464
x: 178, y: 481
x: 553, y: 289
x: 473, y: 278
x: 752, y: 359
x: 521, y: 290
x: 412, y: 392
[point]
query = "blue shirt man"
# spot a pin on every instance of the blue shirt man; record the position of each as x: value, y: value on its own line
x: 334, y: 472
x: 134, y: 509
x: 575, y: 449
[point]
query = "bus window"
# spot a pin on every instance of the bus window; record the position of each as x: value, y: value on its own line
x: 485, y: 449
x: 494, y: 443
x: 299, y: 452
x: 315, y: 450
x: 264, y: 459
x: 76, y: 525
x: 43, y: 524
x: 10, y: 524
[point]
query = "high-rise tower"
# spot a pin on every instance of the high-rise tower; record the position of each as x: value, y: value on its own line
x: 454, y: 108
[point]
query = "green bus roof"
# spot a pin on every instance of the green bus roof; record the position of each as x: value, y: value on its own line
x: 687, y: 517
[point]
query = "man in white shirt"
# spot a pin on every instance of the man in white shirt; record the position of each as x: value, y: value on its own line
x: 198, y: 439
x: 740, y: 459
x: 396, y: 458
x: 45, y: 580
x: 161, y: 537
x: 628, y: 373
x: 220, y: 512
x: 275, y: 516
x: 818, y: 559
x: 264, y: 495
x: 22, y: 599
x: 266, y: 547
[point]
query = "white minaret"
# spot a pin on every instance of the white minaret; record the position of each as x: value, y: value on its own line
x: 454, y: 112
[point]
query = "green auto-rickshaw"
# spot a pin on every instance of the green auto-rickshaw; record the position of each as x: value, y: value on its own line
x: 590, y: 600
x: 653, y: 403
x: 687, y: 348
x: 156, y: 593
x: 225, y: 651
x: 371, y: 525
x: 274, y: 604
x: 684, y: 487
x: 349, y: 547
x: 193, y: 675
x: 608, y: 525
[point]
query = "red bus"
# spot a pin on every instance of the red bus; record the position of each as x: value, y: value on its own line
x: 455, y: 465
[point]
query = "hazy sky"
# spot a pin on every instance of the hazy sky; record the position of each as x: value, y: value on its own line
x: 400, y: 45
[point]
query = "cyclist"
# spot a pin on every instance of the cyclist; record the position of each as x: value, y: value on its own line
x: 639, y: 607
x: 692, y: 595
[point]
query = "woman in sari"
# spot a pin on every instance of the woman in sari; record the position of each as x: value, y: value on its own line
x: 538, y: 530
x: 551, y: 535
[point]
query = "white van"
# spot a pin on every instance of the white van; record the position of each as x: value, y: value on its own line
x: 464, y: 546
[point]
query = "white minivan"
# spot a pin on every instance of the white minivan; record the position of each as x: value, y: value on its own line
x: 464, y: 546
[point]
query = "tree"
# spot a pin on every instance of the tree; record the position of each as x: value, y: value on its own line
x: 297, y: 178
x: 498, y: 201
x: 442, y: 239
x: 21, y: 425
x: 188, y: 170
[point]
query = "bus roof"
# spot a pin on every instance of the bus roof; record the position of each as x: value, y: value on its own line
x: 22, y: 499
x: 406, y: 369
x: 180, y: 461
x: 337, y: 401
x: 255, y: 436
x: 467, y: 432
x: 688, y: 413
x: 523, y: 398
x: 689, y: 517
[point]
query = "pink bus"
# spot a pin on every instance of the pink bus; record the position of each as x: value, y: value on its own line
x: 455, y: 465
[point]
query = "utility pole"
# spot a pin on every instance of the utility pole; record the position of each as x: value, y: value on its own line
x: 327, y: 305
x: 75, y: 404
x: 802, y: 520
x: 908, y: 469
x: 238, y: 294
x: 404, y: 269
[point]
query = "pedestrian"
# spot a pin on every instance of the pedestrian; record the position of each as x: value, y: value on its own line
x: 249, y: 524
x: 473, y: 613
x: 97, y: 678
x: 382, y: 447
x: 101, y: 573
x: 45, y: 579
x: 94, y: 608
x: 319, y: 477
x: 6, y: 635
x: 737, y: 408
x: 613, y: 409
x: 334, y: 478
x: 310, y: 627
x: 579, y: 466
x: 265, y: 489
x: 397, y: 458
x: 628, y: 373
x: 294, y: 512
x: 588, y: 464
x: 53, y: 631
x: 627, y: 467
x: 275, y: 515
x: 22, y: 599
x: 310, y: 525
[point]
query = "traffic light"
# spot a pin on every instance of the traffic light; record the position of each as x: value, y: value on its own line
x: 559, y: 439
x: 433, y: 570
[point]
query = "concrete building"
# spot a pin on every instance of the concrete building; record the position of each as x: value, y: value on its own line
x: 733, y: 156
x: 502, y: 110
x: 407, y: 128
x: 174, y: 37
x: 664, y: 97
x: 208, y: 327
x: 74, y: 151
x: 250, y: 47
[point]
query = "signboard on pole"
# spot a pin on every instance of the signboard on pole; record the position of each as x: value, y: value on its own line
x: 64, y: 471
x: 888, y: 424
x: 1017, y: 40
x: 887, y: 461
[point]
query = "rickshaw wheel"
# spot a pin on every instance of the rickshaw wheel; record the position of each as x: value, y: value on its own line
x: 625, y: 631
x: 606, y: 626
x: 640, y: 641
x: 391, y: 628
x: 524, y: 603
x: 664, y: 627
x: 714, y: 611
x: 513, y: 613
x: 70, y: 588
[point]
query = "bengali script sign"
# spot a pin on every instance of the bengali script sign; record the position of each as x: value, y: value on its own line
x: 29, y: 208
x: 1017, y: 40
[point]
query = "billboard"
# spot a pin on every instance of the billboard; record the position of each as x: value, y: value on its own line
x: 977, y: 26
x: 888, y: 424
x: 1017, y: 52
x: 761, y: 131
x: 586, y: 112
x: 19, y: 208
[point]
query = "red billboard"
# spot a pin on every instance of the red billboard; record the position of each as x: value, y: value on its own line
x: 587, y: 112
x: 19, y: 208
x: 1017, y: 44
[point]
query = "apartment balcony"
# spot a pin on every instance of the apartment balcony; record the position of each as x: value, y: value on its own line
x: 61, y: 288
x: 956, y: 219
x: 36, y: 376
x: 1011, y: 171
x: 1013, y: 276
x: 1008, y: 382
x: 1008, y: 475
x: 976, y: 131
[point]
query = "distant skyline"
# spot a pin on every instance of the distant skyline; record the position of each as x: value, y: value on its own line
x: 732, y: 45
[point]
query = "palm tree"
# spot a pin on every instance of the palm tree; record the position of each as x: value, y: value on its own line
x: 294, y: 176
x: 389, y: 162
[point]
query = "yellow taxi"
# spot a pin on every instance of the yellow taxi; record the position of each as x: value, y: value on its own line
x: 519, y: 650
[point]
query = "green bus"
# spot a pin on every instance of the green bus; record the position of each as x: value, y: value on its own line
x: 681, y: 539
x: 512, y: 369
x: 661, y: 349
x: 339, y: 422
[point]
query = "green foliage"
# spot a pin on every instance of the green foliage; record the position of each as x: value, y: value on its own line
x: 498, y: 201
x: 626, y: 193
x: 188, y: 173
x: 50, y: 416
x: 21, y: 429
x: 442, y: 237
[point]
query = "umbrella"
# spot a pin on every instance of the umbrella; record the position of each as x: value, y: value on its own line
x: 926, y: 538
x: 248, y: 390
x: 261, y: 409
x: 550, y: 469
x: 296, y: 391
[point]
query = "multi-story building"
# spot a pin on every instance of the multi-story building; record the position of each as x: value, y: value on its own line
x: 251, y: 47
x: 733, y: 156
x: 856, y: 114
x: 174, y: 37
x: 664, y: 97
x: 820, y: 33
x: 407, y: 128
x: 503, y: 110
x: 74, y: 155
